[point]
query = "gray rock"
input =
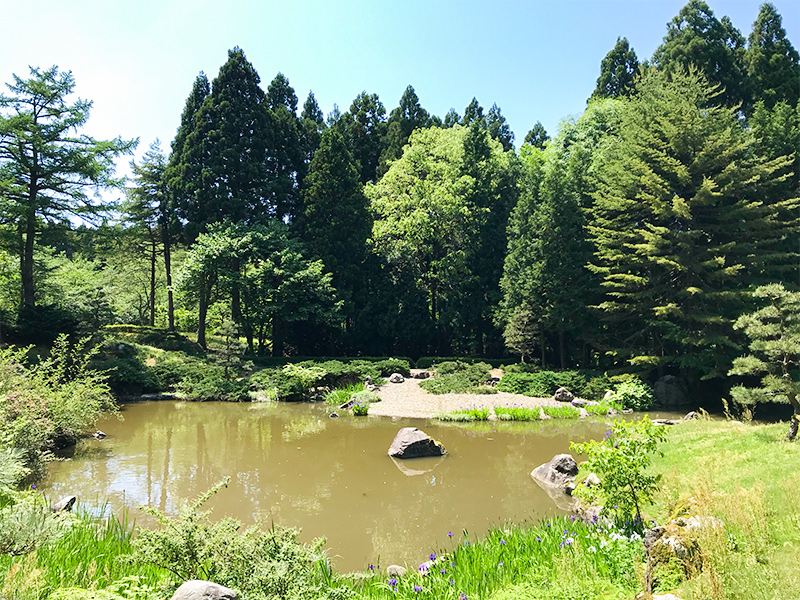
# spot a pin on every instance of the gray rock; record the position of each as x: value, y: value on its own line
x: 64, y: 505
x: 99, y: 435
x: 346, y: 405
x: 395, y: 571
x: 591, y: 480
x: 665, y: 597
x: 583, y: 413
x: 333, y: 415
x: 667, y: 421
x: 203, y: 590
x: 580, y: 402
x: 563, y: 395
x: 560, y: 471
x: 670, y: 393
x: 421, y: 375
x: 410, y: 442
x: 691, y: 415
x: 396, y: 378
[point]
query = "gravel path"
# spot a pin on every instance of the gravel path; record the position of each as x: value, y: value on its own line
x: 407, y: 399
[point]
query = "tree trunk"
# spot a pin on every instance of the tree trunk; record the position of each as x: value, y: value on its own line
x: 202, y: 309
x: 152, y: 282
x: 168, y: 269
x: 795, y: 422
x: 26, y: 259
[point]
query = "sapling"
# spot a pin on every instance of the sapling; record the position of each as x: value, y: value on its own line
x: 621, y: 459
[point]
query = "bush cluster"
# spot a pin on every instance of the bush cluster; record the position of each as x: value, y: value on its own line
x: 457, y: 377
x: 583, y: 383
x: 633, y: 393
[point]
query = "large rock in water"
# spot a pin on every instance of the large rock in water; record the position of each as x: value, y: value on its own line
x: 561, y: 470
x: 410, y: 442
x: 204, y: 590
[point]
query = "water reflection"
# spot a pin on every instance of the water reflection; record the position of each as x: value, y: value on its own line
x: 291, y: 465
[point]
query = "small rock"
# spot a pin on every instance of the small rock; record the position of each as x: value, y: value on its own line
x: 569, y: 488
x: 410, y: 442
x: 204, y: 590
x: 396, y: 378
x: 421, y: 375
x: 543, y: 416
x: 396, y: 571
x: 348, y: 404
x: 65, y: 504
x: 579, y: 402
x: 591, y: 480
x: 627, y: 411
x: 665, y: 597
x: 333, y: 415
x: 563, y: 395
x: 99, y: 435
x: 691, y: 415
x: 667, y: 421
x: 560, y: 471
x: 583, y: 413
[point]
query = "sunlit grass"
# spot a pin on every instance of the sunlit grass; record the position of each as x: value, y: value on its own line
x: 339, y: 396
x: 475, y: 413
x: 517, y: 413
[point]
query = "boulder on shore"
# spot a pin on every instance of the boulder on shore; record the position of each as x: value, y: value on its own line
x: 64, y: 505
x: 563, y: 395
x: 396, y: 378
x: 559, y: 471
x: 204, y: 590
x: 410, y: 442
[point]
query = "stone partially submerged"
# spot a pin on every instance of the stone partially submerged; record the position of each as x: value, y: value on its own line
x: 204, y: 590
x: 556, y: 477
x: 410, y: 442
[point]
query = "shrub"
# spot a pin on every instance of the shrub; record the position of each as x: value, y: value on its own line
x: 393, y: 365
x: 360, y: 408
x: 539, y: 384
x: 339, y: 396
x: 476, y: 413
x: 264, y: 563
x: 633, y: 393
x: 543, y: 384
x: 457, y: 378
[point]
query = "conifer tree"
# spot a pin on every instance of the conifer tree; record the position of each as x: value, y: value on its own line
x: 285, y: 162
x: 773, y: 64
x: 695, y: 37
x: 537, y: 136
x: 335, y: 222
x: 313, y: 124
x: 473, y: 112
x: 617, y: 71
x: 451, y: 119
x: 499, y: 129
x: 681, y: 226
x: 403, y: 120
x: 365, y: 128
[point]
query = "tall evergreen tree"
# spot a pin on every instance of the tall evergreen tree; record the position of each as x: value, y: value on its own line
x: 403, y: 120
x: 286, y: 166
x: 46, y: 169
x: 223, y: 165
x: 499, y: 129
x: 365, y: 128
x: 473, y: 112
x: 537, y: 136
x: 682, y: 227
x: 451, y: 119
x: 773, y: 64
x: 617, y: 71
x: 335, y: 222
x: 714, y: 46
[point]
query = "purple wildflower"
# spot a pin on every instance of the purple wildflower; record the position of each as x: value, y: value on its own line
x: 501, y: 564
x: 449, y: 534
x: 443, y: 572
x: 393, y: 582
x: 418, y: 588
x: 463, y: 596
x: 371, y: 567
x: 538, y: 539
x: 432, y: 556
x: 502, y: 542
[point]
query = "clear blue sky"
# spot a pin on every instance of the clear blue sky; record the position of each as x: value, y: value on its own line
x: 537, y: 60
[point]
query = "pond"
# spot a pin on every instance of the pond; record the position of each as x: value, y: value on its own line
x: 292, y: 465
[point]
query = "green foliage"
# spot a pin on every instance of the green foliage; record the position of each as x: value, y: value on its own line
x: 458, y: 378
x: 339, y: 396
x: 394, y: 365
x: 46, y: 168
x: 584, y: 384
x: 773, y: 64
x: 51, y: 403
x: 517, y: 413
x: 774, y: 334
x: 622, y: 460
x: 564, y: 411
x: 633, y: 393
x: 466, y: 415
x: 618, y: 71
x: 265, y: 564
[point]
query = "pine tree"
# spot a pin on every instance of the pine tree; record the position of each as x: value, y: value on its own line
x: 223, y: 164
x: 773, y: 64
x: 365, y: 128
x: 681, y: 226
x: 403, y: 120
x: 537, y: 136
x: 335, y: 222
x: 313, y: 124
x: 473, y: 112
x: 499, y: 129
x: 695, y: 37
x: 286, y: 166
x: 617, y: 71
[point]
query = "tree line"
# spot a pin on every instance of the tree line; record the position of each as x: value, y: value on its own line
x: 633, y: 238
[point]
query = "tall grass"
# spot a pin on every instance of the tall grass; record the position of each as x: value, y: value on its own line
x: 557, y: 559
x: 517, y: 413
x: 339, y: 396
x: 90, y: 554
x: 475, y: 413
x: 565, y: 411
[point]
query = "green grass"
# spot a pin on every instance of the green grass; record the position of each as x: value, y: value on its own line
x: 90, y: 554
x: 517, y: 413
x: 565, y: 411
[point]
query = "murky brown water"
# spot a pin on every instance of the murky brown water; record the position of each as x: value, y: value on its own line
x: 292, y: 465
